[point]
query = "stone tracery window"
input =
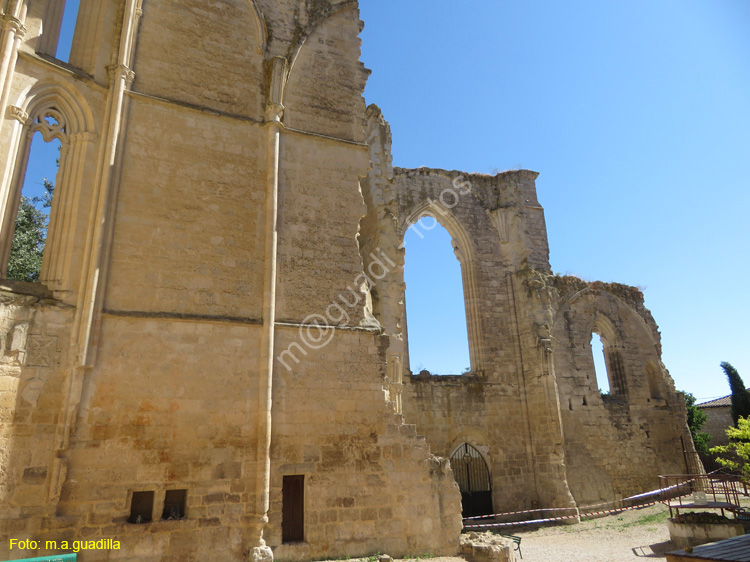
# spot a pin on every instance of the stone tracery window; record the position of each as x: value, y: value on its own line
x: 32, y: 213
x: 57, y: 118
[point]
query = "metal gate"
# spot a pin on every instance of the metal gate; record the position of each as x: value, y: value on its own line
x: 473, y: 479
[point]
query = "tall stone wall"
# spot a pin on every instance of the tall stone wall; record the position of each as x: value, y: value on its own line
x: 372, y: 483
x: 503, y: 408
x: 220, y: 303
x: 208, y: 201
x: 642, y: 418
x: 35, y: 380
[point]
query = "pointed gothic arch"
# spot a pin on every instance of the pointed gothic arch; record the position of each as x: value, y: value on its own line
x: 613, y: 357
x: 474, y: 481
x: 56, y: 113
x: 317, y: 99
x: 464, y: 251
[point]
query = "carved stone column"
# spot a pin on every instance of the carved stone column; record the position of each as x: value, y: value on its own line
x: 13, y: 32
x: 279, y: 70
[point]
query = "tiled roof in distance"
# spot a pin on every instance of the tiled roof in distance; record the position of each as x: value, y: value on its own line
x: 717, y: 403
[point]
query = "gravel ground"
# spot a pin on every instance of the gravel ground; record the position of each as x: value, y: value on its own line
x: 631, y: 535
x: 637, y: 534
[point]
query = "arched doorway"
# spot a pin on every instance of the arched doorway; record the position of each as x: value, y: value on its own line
x: 474, y: 481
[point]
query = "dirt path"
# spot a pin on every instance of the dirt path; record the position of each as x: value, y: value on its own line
x: 631, y: 535
x: 638, y: 534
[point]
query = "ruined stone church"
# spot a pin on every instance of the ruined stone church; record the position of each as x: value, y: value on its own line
x: 214, y: 364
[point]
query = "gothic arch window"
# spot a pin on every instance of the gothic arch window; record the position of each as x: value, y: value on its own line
x: 437, y: 334
x: 32, y: 216
x: 52, y: 114
x: 600, y: 364
x: 604, y: 331
x: 423, y: 216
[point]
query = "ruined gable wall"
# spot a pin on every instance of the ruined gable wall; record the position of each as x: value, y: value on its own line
x: 497, y: 227
x: 488, y: 225
x: 616, y: 443
x: 516, y: 408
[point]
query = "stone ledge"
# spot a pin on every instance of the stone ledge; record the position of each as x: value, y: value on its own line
x: 24, y: 288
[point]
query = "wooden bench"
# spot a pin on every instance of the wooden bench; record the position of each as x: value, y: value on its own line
x: 516, y: 540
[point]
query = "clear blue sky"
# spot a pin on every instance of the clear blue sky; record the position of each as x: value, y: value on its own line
x: 637, y: 116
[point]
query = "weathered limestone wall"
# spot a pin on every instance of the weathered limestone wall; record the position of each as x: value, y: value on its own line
x: 531, y: 405
x: 139, y: 364
x: 143, y: 361
x: 210, y: 55
x: 719, y: 419
x: 324, y: 92
x: 189, y: 228
x: 320, y: 180
x: 371, y: 484
x: 507, y: 407
x: 642, y: 421
x: 160, y: 413
x: 35, y: 340
x: 452, y: 410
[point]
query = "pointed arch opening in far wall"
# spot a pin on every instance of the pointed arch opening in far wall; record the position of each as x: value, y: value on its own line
x: 605, y: 340
x: 420, y: 221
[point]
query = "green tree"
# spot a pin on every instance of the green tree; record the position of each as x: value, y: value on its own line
x: 696, y: 419
x: 740, y: 396
x: 29, y: 237
x: 739, y: 448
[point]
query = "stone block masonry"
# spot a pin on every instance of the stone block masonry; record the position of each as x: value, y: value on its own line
x: 222, y: 189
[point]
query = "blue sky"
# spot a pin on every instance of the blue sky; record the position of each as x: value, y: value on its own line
x: 637, y: 116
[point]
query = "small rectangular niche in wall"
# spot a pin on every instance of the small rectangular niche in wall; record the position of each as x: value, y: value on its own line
x: 293, y: 509
x: 174, y: 504
x: 141, y: 507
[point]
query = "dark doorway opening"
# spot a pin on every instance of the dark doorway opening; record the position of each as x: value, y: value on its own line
x: 293, y: 509
x: 474, y: 481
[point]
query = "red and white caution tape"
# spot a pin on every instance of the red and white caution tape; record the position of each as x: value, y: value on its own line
x: 582, y: 508
x: 563, y: 518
